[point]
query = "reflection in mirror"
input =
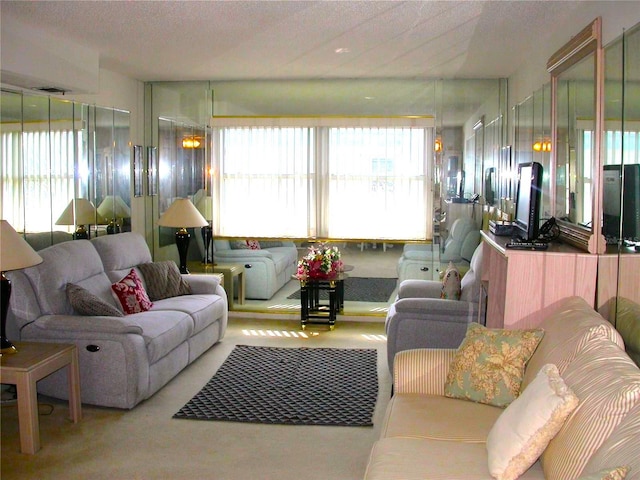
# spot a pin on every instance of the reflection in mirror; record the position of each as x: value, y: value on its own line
x: 47, y: 164
x: 576, y: 86
x: 621, y: 179
x: 113, y: 169
x: 575, y: 130
x: 182, y: 166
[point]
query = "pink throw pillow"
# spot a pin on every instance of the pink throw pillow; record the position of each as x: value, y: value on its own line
x: 253, y: 244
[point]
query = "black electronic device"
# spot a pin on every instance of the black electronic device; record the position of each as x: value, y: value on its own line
x: 621, y: 202
x: 528, y: 201
x: 516, y: 245
x: 501, y: 228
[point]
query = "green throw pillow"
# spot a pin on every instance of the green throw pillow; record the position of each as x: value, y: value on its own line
x: 489, y: 364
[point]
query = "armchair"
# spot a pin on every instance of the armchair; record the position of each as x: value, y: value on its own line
x: 419, y: 318
x: 458, y: 248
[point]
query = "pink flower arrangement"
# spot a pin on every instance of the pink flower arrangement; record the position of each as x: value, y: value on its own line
x: 322, y: 261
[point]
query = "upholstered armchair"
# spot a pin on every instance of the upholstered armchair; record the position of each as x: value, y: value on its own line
x: 419, y: 318
x: 463, y: 238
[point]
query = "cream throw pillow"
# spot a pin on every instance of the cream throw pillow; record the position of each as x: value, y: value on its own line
x: 528, y: 424
x: 451, y: 289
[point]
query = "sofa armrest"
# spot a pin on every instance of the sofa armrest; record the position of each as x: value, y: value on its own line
x: 419, y: 289
x: 422, y: 370
x: 81, y: 323
x: 447, y: 310
x: 202, y: 284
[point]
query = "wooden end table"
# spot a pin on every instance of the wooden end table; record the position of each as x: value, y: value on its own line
x: 32, y: 362
x: 231, y: 270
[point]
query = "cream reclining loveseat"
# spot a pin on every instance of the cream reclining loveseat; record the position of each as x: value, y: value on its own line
x: 123, y: 359
x: 427, y: 435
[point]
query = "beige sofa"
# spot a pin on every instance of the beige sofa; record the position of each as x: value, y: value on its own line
x: 427, y: 435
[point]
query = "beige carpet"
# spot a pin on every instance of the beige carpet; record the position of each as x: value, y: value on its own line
x: 146, y: 443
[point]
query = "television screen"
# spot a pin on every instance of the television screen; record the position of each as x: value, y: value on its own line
x: 621, y: 201
x: 528, y: 200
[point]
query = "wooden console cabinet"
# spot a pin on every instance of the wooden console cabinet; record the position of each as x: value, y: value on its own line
x: 520, y: 284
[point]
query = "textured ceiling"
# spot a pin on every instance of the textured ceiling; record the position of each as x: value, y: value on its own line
x: 221, y: 40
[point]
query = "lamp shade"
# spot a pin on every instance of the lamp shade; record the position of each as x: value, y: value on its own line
x: 113, y: 206
x: 182, y: 213
x: 80, y: 211
x: 15, y: 252
x: 205, y: 207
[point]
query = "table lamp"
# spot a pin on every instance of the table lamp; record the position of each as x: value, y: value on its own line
x: 182, y: 214
x: 15, y: 253
x: 112, y: 208
x: 205, y: 207
x: 80, y: 212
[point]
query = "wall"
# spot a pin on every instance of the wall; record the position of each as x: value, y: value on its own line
x: 532, y: 73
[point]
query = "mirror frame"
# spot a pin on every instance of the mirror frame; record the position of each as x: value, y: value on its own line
x: 587, y: 42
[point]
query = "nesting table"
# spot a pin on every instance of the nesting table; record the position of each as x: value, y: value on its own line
x: 32, y: 362
x: 312, y: 310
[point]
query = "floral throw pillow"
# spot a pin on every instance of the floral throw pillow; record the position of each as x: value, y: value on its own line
x: 489, y: 364
x: 253, y: 244
x: 451, y: 283
x: 131, y: 294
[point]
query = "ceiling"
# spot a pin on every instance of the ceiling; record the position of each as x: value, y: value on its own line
x: 222, y: 40
x: 390, y: 46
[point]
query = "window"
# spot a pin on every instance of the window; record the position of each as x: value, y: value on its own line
x: 323, y: 178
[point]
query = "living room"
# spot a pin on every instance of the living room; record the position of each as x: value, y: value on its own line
x: 475, y: 116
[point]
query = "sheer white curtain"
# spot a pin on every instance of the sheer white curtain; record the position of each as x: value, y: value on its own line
x: 377, y: 183
x: 264, y: 181
x: 37, y: 177
x: 339, y: 178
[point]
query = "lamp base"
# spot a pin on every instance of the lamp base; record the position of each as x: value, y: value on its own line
x: 182, y: 242
x: 8, y: 350
x: 81, y: 233
x: 206, y: 238
x: 6, y: 347
x: 113, y: 227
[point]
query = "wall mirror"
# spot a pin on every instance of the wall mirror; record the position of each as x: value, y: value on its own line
x: 576, y: 124
x: 63, y: 163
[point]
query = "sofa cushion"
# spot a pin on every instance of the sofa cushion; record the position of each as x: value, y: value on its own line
x: 74, y: 262
x: 527, y: 425
x: 203, y: 309
x: 131, y: 294
x: 162, y: 330
x: 427, y: 459
x: 607, y: 382
x: 122, y: 251
x: 618, y: 473
x: 238, y: 245
x: 163, y: 280
x: 620, y: 448
x: 438, y: 418
x: 86, y: 303
x: 570, y: 325
x: 489, y: 365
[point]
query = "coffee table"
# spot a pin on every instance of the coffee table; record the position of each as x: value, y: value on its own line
x: 32, y: 362
x: 311, y: 308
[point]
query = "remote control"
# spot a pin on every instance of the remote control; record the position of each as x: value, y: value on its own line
x: 528, y: 245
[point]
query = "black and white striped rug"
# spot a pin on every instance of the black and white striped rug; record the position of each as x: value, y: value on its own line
x: 292, y: 386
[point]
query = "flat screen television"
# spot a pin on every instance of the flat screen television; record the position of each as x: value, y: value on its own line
x: 621, y: 203
x: 528, y: 201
